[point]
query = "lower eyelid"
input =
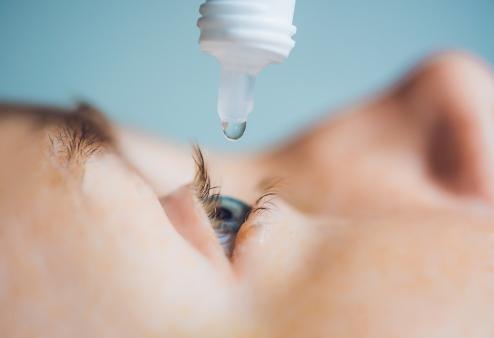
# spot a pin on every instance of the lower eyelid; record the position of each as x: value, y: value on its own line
x: 265, y: 212
x: 249, y: 231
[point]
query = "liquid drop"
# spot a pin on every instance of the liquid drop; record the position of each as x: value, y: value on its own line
x: 233, y: 130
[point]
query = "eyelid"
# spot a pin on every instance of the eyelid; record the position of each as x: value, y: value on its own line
x: 189, y: 220
x: 264, y: 213
x: 209, y: 195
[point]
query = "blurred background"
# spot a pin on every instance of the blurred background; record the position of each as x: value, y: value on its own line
x: 139, y: 61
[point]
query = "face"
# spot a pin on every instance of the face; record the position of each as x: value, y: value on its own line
x: 378, y: 222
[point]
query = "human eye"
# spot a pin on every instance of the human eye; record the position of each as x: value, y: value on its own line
x: 226, y: 213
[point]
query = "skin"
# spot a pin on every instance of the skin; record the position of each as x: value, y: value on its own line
x: 382, y: 225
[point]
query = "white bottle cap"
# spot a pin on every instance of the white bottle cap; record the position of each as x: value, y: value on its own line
x: 245, y: 36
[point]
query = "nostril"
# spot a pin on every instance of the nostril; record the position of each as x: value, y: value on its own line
x: 444, y: 157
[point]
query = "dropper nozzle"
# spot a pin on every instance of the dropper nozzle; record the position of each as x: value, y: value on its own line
x: 235, y: 101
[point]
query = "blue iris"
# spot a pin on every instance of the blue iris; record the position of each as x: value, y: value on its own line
x: 228, y: 217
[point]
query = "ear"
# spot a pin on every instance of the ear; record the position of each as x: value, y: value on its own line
x: 456, y: 92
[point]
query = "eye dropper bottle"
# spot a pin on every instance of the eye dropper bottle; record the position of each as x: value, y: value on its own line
x: 245, y: 36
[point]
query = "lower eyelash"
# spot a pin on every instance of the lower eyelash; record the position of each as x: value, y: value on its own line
x: 263, y: 204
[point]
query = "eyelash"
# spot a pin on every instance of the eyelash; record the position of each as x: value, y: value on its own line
x: 264, y: 203
x: 209, y: 195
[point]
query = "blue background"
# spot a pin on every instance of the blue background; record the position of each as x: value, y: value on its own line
x: 139, y: 61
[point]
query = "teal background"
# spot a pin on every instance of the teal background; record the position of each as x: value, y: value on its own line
x: 139, y: 61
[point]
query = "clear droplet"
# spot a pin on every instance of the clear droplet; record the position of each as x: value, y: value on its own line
x: 233, y: 130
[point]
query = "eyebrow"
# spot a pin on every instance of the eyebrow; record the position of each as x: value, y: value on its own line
x: 77, y: 134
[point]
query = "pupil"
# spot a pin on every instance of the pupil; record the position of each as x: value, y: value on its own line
x: 223, y: 214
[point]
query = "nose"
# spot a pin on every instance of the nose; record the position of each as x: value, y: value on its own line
x: 454, y: 94
x: 427, y: 141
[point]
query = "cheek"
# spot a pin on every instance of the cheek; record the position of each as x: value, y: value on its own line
x: 140, y: 257
x: 392, y: 280
x: 105, y: 260
x: 271, y: 249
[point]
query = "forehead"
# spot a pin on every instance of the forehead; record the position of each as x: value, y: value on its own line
x: 42, y: 148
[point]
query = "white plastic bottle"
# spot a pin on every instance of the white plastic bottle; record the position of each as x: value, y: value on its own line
x: 245, y: 36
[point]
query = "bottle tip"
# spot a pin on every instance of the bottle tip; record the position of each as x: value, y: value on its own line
x: 233, y: 130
